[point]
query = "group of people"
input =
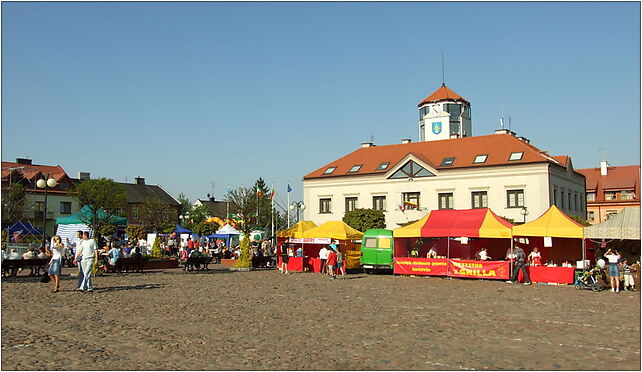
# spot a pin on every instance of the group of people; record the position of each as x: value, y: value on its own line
x: 617, y: 266
x: 330, y: 256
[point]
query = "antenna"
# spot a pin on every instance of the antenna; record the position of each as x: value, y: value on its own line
x: 212, y: 185
x: 603, y: 152
x: 443, y: 71
x: 509, y: 123
x: 501, y: 123
x: 371, y: 138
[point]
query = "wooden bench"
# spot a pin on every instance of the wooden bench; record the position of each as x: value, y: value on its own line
x: 134, y: 263
x: 11, y: 267
x: 194, y: 263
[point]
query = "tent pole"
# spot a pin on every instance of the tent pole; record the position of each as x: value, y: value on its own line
x: 448, y: 256
x: 583, y: 252
x: 510, y: 261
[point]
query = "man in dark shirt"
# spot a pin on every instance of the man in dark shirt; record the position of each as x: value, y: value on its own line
x: 520, y: 258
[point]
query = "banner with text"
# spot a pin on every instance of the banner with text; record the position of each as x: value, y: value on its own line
x: 310, y: 240
x: 479, y: 269
x: 420, y: 266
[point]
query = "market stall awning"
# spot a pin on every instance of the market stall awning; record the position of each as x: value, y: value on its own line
x: 228, y: 229
x: 77, y: 218
x: 24, y: 228
x: 471, y: 223
x: 333, y: 230
x: 553, y: 223
x: 297, y: 230
x: 181, y: 230
x: 624, y: 225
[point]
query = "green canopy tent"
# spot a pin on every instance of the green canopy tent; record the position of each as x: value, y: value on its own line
x: 84, y: 212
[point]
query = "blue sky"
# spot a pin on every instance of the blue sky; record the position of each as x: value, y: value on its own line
x: 190, y: 94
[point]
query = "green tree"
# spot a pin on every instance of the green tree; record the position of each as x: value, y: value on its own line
x: 186, y: 206
x: 363, y: 219
x: 243, y: 200
x: 205, y: 228
x: 135, y: 232
x: 13, y: 200
x: 196, y: 216
x: 105, y: 198
x: 580, y: 220
x: 157, y: 216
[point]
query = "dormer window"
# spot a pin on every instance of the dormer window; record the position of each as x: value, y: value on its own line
x: 329, y: 170
x: 355, y: 168
x: 412, y: 170
x: 479, y: 159
x: 515, y: 156
x: 383, y: 166
x: 447, y: 162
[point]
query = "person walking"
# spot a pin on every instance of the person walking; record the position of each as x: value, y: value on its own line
x: 332, y: 262
x: 614, y: 270
x: 88, y: 258
x: 55, y: 265
x: 285, y: 258
x: 76, y: 261
x: 341, y: 265
x: 520, y: 258
x: 323, y: 256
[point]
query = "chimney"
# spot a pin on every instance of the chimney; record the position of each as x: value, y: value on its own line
x: 211, y: 198
x: 504, y: 131
x: 366, y: 144
x: 83, y: 176
x: 140, y: 181
x: 23, y: 161
x: 406, y: 140
x: 604, y: 168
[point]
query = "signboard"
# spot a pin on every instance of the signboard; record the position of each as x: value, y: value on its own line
x: 548, y: 241
x: 420, y: 266
x: 310, y: 240
x: 478, y: 269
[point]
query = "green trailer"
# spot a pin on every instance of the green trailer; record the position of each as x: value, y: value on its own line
x: 377, y: 247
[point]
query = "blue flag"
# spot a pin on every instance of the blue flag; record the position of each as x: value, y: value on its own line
x: 289, y: 188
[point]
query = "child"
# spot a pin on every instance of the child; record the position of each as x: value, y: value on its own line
x: 628, y: 276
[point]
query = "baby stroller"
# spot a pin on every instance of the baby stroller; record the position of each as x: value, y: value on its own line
x: 589, y: 280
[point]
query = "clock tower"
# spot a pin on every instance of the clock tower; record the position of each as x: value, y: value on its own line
x: 444, y: 114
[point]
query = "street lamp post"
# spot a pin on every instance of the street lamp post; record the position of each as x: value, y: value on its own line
x: 299, y: 206
x: 41, y: 183
x: 524, y: 212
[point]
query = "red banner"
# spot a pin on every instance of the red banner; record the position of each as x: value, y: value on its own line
x: 420, y: 266
x: 479, y: 269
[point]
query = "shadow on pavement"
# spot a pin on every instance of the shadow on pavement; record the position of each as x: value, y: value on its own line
x: 127, y: 287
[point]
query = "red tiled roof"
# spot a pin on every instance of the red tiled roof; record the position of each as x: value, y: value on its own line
x: 33, y: 171
x: 441, y: 94
x: 562, y: 159
x: 617, y: 178
x: 498, y: 147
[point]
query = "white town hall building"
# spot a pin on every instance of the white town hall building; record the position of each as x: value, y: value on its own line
x: 447, y: 169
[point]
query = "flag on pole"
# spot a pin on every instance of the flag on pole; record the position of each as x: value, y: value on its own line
x: 289, y: 188
x: 272, y: 194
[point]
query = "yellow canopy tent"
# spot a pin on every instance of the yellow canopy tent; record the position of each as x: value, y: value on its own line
x: 296, y: 231
x: 333, y: 230
x: 341, y: 231
x: 552, y: 223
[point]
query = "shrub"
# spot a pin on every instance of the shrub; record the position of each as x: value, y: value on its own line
x: 364, y: 219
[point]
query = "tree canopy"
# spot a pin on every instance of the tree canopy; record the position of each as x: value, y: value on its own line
x: 364, y: 219
x: 157, y: 216
x: 104, y: 195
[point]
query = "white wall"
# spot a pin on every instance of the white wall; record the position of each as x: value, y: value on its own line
x: 533, y: 178
x: 53, y: 208
x: 565, y: 180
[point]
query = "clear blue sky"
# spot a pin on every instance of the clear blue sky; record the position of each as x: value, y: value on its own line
x: 186, y: 94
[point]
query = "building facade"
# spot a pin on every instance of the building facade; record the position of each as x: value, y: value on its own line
x: 31, y: 205
x: 501, y: 171
x: 138, y: 192
x: 610, y: 189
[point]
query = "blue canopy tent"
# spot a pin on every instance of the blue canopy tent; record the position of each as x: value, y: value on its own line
x: 24, y: 228
x: 227, y: 237
x: 181, y: 230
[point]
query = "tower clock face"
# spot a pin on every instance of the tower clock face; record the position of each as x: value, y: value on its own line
x: 436, y: 127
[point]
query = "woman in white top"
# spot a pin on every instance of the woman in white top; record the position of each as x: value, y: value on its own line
x: 614, y: 270
x: 55, y: 265
x: 535, y: 257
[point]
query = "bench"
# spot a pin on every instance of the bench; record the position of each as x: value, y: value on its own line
x: 11, y: 267
x: 134, y: 263
x: 194, y: 263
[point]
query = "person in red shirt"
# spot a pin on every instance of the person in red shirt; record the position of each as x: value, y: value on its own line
x: 196, y: 244
x: 190, y: 244
x: 332, y: 262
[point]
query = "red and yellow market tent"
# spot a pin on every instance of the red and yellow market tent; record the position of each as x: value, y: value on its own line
x: 471, y: 223
x: 563, y: 231
x: 552, y: 223
x: 481, y: 224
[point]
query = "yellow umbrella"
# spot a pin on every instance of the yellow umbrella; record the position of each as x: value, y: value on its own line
x: 297, y: 230
x: 334, y: 230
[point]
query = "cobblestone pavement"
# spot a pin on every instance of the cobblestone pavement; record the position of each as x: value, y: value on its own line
x: 265, y: 320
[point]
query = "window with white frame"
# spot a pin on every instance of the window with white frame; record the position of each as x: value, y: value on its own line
x: 325, y: 205
x: 446, y: 200
x: 351, y: 203
x: 479, y: 199
x: 379, y: 203
x: 515, y: 198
